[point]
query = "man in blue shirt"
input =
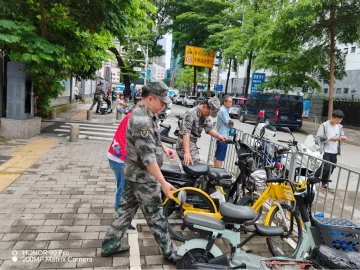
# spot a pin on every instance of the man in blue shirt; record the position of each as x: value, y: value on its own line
x: 222, y: 127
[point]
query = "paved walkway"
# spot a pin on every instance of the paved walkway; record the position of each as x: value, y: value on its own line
x: 56, y: 213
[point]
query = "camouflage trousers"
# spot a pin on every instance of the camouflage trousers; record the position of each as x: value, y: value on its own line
x: 194, y: 151
x: 147, y: 196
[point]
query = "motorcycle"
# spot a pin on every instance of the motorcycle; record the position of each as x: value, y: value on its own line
x: 104, y: 104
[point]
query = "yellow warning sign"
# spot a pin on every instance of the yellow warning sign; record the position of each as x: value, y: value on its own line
x: 200, y: 57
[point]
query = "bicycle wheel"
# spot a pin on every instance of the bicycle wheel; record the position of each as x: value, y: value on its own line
x: 195, y: 201
x: 288, y: 244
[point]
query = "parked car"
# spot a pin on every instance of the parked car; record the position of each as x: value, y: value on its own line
x: 281, y: 110
x: 183, y: 101
x: 237, y: 107
x: 190, y: 101
x: 179, y: 99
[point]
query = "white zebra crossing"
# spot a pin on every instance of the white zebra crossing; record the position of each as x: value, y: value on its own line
x: 89, y: 131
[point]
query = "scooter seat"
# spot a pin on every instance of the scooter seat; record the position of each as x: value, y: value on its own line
x: 196, y: 170
x: 192, y: 219
x: 171, y: 170
x: 268, y: 230
x: 165, y: 126
x: 218, y: 174
x: 236, y: 213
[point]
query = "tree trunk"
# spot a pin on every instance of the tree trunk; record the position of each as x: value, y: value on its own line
x: 43, y: 19
x: 248, y: 71
x: 127, y: 81
x: 194, y: 88
x: 209, y: 82
x: 228, y: 76
x: 332, y: 63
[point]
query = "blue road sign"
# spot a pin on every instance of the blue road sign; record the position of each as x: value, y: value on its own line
x: 256, y: 80
x: 219, y: 87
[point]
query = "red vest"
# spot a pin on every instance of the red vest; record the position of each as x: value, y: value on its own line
x: 118, y: 145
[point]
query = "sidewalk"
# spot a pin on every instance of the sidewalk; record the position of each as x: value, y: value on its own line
x: 62, y: 205
x: 80, y: 114
x: 353, y: 136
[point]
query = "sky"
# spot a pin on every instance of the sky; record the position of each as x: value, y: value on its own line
x: 168, y: 50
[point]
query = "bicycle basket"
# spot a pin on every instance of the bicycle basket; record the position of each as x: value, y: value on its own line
x: 339, y: 233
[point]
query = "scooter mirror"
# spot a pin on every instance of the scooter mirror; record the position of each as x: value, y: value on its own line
x: 285, y: 129
x: 182, y: 196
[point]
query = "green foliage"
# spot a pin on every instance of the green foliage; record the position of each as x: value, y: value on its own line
x: 62, y: 38
x: 185, y: 79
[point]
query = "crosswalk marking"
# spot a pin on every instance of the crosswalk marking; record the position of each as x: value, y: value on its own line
x: 89, y: 131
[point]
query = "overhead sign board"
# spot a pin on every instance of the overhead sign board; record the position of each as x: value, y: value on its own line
x: 256, y: 80
x: 219, y: 87
x: 199, y: 57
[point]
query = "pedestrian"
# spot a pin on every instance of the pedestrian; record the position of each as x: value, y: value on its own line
x: 113, y: 99
x: 137, y: 96
x: 117, y: 156
x: 195, y: 120
x: 223, y: 125
x: 99, y: 92
x: 143, y: 177
x: 330, y: 134
x: 121, y: 105
x: 76, y: 93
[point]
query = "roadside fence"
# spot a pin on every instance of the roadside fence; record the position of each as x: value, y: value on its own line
x: 340, y: 200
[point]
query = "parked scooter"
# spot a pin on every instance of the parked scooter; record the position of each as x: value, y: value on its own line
x: 104, y: 104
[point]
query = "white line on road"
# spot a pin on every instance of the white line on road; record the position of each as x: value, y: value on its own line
x: 87, y: 132
x: 92, y: 128
x: 90, y: 125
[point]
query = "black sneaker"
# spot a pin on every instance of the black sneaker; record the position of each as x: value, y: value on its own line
x: 131, y: 229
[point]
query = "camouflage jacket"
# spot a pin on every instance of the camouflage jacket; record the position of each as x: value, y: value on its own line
x: 143, y: 145
x: 194, y: 123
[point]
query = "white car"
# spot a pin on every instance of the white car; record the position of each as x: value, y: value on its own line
x: 179, y: 99
x: 190, y: 101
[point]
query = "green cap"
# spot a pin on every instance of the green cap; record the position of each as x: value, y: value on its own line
x: 214, y: 104
x: 159, y: 89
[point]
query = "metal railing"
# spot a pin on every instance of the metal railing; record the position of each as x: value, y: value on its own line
x: 339, y: 202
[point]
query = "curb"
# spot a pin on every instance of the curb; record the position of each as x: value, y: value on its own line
x: 350, y: 142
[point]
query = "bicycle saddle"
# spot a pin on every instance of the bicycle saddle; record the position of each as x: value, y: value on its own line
x: 196, y: 170
x: 236, y: 213
x: 330, y: 258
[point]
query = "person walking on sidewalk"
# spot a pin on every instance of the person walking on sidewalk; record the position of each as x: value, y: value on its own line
x: 117, y: 156
x: 113, y: 99
x: 331, y: 135
x: 143, y: 177
x: 99, y: 92
x: 222, y: 126
x: 76, y: 93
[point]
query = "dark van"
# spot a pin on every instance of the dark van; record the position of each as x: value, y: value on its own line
x: 281, y: 110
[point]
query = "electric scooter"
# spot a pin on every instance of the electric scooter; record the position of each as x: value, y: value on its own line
x: 204, y: 254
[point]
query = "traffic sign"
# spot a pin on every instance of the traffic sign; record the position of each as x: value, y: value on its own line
x: 219, y: 88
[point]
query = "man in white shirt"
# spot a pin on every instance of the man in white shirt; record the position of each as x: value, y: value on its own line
x: 331, y: 135
x: 76, y: 93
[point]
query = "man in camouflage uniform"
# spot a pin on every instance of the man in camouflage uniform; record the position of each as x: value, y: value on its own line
x: 143, y: 178
x: 195, y: 120
x: 99, y: 92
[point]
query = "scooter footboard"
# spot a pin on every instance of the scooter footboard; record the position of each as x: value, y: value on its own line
x: 200, y: 244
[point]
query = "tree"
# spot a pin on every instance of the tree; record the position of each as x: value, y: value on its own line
x: 185, y: 80
x: 317, y: 26
x: 193, y: 21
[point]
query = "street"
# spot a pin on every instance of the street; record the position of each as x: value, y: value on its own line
x: 348, y: 158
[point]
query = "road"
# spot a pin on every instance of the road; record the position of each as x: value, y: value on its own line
x: 349, y: 157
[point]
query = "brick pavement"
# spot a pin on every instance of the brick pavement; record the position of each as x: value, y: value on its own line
x: 64, y: 203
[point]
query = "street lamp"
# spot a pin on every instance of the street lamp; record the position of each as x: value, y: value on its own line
x: 146, y: 53
x: 353, y: 91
